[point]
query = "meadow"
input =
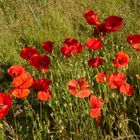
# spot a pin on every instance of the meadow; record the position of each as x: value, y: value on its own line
x: 64, y: 115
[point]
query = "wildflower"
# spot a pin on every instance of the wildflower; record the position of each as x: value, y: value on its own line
x: 27, y: 52
x: 91, y: 17
x: 42, y: 86
x: 47, y: 46
x: 121, y: 60
x: 44, y: 95
x: 79, y: 88
x: 23, y: 81
x: 95, y: 62
x: 116, y: 80
x: 66, y: 50
x: 134, y: 41
x: 102, y: 77
x: 94, y: 43
x: 5, y: 104
x: 15, y: 71
x: 126, y: 89
x: 113, y: 23
x: 70, y: 41
x: 71, y: 46
x: 100, y: 29
x: 95, y: 113
x: 40, y: 61
x: 96, y: 104
x: 20, y: 93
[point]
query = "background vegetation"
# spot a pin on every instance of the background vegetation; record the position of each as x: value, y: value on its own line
x: 30, y: 22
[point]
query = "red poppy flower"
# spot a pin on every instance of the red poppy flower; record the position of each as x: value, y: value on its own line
x: 28, y: 52
x: 94, y: 43
x: 100, y: 29
x: 66, y: 50
x: 70, y: 41
x: 96, y: 105
x: 126, y: 89
x: 91, y: 17
x: 44, y: 95
x: 20, y: 93
x: 40, y: 61
x: 23, y: 81
x: 47, y: 46
x: 121, y: 60
x: 102, y: 77
x: 79, y: 88
x: 16, y: 70
x: 95, y: 113
x: 77, y: 48
x: 116, y: 80
x: 5, y: 104
x: 95, y: 62
x: 42, y: 84
x: 134, y: 41
x: 113, y: 23
x: 71, y: 46
x: 95, y: 102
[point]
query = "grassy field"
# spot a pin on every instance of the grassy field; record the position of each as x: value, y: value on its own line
x: 30, y: 22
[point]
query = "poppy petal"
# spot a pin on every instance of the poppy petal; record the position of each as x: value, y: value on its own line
x: 20, y: 93
x: 44, y: 95
x: 95, y: 113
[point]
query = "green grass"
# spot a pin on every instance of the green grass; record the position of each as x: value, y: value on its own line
x: 29, y: 22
